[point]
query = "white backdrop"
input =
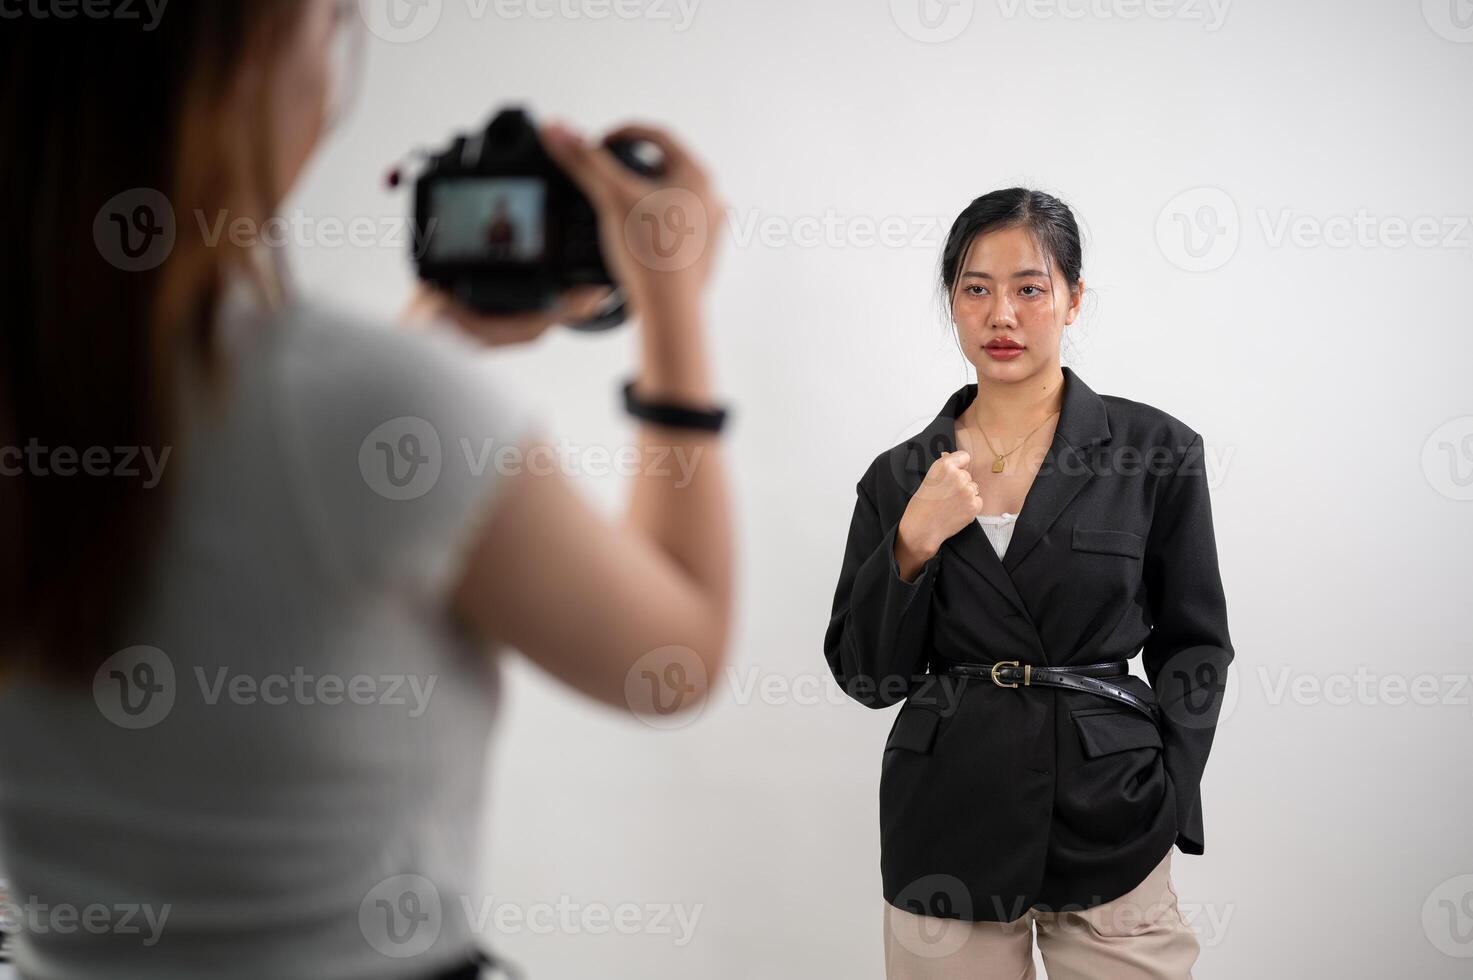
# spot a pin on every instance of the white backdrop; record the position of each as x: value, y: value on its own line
x: 1276, y: 201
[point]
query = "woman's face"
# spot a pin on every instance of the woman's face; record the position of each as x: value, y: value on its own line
x: 1003, y: 292
x: 302, y: 84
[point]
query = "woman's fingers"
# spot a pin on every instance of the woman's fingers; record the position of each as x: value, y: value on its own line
x: 593, y: 168
x: 678, y: 157
x: 582, y: 303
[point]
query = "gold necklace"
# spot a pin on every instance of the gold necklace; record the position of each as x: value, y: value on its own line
x: 1000, y: 458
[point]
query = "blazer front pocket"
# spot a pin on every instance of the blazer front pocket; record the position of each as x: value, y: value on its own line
x: 914, y: 731
x: 1108, y: 541
x: 1104, y: 731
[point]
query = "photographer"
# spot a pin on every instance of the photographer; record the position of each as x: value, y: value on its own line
x: 152, y: 756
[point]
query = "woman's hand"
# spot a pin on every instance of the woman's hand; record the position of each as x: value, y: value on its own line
x: 947, y: 501
x: 658, y: 234
x: 515, y: 328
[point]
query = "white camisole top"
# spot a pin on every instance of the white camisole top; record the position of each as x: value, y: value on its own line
x: 999, y: 528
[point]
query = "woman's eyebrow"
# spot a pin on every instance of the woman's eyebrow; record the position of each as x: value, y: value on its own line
x: 1021, y: 273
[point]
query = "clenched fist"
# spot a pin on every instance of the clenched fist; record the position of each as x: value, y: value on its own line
x: 947, y: 501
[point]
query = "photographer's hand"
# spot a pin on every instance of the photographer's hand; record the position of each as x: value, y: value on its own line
x: 658, y: 234
x: 518, y: 328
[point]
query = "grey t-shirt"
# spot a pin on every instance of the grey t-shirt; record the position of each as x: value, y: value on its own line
x: 280, y: 772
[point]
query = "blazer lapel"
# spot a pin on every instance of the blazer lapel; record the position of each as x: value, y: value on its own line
x: 1064, y: 472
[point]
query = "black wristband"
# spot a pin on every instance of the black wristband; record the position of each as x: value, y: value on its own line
x: 672, y: 414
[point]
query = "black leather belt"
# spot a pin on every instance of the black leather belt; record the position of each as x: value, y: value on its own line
x: 1011, y: 673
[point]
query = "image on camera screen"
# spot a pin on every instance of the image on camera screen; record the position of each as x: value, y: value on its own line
x: 495, y: 219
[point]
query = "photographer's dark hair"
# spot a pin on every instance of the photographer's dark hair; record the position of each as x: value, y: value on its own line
x: 90, y: 353
x: 1047, y: 218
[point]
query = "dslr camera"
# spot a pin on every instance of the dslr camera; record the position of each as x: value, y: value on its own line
x: 500, y: 227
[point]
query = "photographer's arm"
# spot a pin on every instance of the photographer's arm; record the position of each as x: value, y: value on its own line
x: 583, y: 597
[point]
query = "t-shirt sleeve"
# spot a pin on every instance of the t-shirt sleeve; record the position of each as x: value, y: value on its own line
x: 404, y: 441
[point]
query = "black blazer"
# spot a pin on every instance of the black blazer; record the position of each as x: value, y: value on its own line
x: 996, y: 799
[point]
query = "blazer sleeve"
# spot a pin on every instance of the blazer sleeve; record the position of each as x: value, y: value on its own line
x: 1187, y: 654
x: 876, y: 639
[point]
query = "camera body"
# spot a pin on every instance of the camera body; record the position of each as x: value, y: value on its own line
x: 499, y: 226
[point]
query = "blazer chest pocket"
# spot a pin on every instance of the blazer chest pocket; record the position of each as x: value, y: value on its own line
x: 1108, y: 541
x: 914, y: 730
x: 1105, y: 731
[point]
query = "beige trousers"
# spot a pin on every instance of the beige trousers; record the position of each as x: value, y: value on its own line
x: 1139, y: 936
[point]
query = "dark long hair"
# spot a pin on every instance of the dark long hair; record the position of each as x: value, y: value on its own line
x: 1047, y: 218
x: 105, y: 118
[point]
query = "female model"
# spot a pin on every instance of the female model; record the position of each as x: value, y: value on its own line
x: 1002, y: 567
x: 158, y: 752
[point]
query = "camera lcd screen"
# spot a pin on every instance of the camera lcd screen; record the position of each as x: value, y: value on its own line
x: 487, y: 219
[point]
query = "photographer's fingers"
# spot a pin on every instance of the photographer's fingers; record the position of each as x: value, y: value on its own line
x: 678, y: 158
x: 581, y: 303
x: 593, y: 168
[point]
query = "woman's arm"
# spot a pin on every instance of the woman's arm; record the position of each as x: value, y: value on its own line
x: 585, y: 598
x: 875, y: 644
x: 1186, y: 656
x: 606, y: 606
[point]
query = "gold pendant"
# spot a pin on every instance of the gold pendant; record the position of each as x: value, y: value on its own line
x: 997, y: 465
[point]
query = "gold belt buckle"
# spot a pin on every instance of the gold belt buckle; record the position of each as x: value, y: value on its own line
x: 1027, y: 672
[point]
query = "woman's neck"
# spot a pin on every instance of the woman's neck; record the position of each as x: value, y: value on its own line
x: 1004, y: 408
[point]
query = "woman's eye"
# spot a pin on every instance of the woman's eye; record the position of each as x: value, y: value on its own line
x: 972, y: 290
x: 1037, y: 291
